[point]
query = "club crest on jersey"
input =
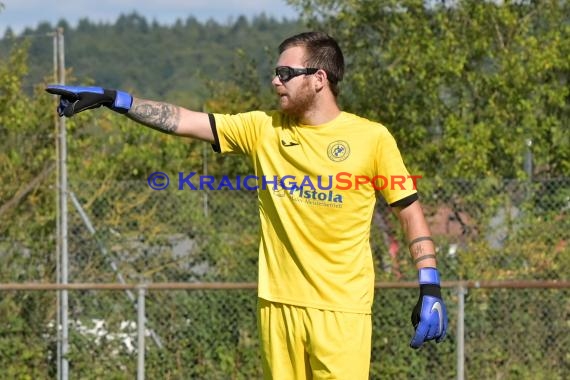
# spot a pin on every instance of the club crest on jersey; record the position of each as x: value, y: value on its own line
x: 338, y: 151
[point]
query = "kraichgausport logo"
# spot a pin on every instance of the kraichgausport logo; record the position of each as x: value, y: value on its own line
x: 319, y: 186
x: 338, y: 151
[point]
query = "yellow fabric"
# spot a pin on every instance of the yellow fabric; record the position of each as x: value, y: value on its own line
x: 305, y: 343
x: 315, y: 248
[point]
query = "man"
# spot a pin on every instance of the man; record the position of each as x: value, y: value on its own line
x: 319, y: 170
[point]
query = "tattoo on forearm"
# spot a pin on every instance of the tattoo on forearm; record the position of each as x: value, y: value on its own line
x: 422, y: 258
x: 418, y: 251
x: 160, y: 116
x: 421, y: 238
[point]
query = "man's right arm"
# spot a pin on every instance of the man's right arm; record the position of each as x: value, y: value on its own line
x: 171, y: 119
x: 161, y: 116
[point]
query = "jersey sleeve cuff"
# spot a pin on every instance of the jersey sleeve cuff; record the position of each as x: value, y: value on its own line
x: 405, y: 202
x: 216, y: 145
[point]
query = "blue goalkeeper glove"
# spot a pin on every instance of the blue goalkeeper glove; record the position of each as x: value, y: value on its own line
x: 74, y: 99
x: 429, y: 316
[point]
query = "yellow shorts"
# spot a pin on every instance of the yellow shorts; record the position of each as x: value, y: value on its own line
x: 305, y: 343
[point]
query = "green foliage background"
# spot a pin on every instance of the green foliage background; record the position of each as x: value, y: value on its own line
x: 461, y: 87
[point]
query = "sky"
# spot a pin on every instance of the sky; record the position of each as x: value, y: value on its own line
x: 19, y: 14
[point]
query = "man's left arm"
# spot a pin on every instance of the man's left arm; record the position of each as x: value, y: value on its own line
x: 429, y: 316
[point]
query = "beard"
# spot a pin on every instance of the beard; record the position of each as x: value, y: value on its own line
x: 297, y: 105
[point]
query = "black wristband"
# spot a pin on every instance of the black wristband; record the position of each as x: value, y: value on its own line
x: 430, y: 290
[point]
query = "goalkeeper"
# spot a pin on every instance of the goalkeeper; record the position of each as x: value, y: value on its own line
x: 316, y: 273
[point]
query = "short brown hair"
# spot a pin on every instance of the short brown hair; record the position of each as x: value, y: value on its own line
x: 323, y: 52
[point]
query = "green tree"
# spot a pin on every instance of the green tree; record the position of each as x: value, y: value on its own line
x: 462, y: 84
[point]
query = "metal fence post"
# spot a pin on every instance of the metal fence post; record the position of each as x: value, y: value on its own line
x: 62, y: 271
x: 140, y: 332
x: 461, y: 291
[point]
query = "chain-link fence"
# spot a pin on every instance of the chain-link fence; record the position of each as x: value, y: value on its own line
x: 507, y: 330
x: 125, y: 232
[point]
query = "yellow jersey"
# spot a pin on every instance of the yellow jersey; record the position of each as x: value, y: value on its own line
x: 317, y: 188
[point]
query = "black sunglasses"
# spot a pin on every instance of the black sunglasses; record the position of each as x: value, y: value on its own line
x: 286, y: 73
